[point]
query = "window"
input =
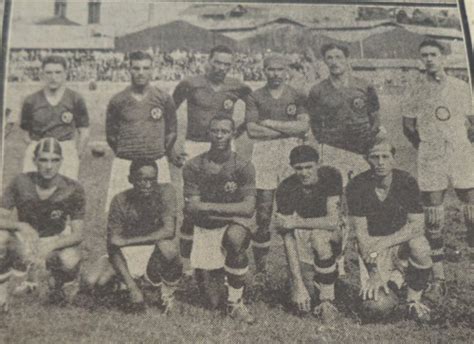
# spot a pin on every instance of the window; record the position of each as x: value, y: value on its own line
x: 94, y: 12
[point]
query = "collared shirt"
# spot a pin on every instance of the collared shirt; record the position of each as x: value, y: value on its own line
x: 47, y: 216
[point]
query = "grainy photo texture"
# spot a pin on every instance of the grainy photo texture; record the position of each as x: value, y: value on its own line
x: 192, y: 172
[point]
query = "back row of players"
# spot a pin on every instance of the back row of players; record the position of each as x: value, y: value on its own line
x: 228, y: 201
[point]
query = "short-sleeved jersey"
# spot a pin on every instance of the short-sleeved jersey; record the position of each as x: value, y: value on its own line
x: 388, y: 216
x: 308, y: 202
x: 41, y: 119
x: 440, y: 109
x: 228, y: 182
x: 341, y: 117
x: 137, y: 128
x: 48, y: 216
x: 261, y: 105
x: 204, y: 102
x: 131, y: 216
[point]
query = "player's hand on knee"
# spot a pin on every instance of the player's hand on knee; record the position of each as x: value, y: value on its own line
x: 300, y: 297
x: 177, y: 158
x: 371, y: 289
x: 284, y: 223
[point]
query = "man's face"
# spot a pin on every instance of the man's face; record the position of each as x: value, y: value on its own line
x: 145, y: 180
x: 307, y: 172
x: 140, y: 72
x: 48, y: 164
x: 381, y: 160
x: 432, y: 58
x: 219, y: 66
x: 275, y: 74
x: 221, y: 134
x: 54, y: 76
x: 336, y: 61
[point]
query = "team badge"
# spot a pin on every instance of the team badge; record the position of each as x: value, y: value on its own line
x: 228, y: 104
x: 156, y: 113
x: 56, y: 214
x: 358, y: 103
x: 230, y: 187
x: 442, y: 113
x: 67, y: 117
x: 291, y: 110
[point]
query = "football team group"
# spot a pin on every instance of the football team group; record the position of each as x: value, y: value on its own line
x: 322, y: 160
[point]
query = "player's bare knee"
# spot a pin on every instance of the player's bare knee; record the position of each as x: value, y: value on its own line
x: 321, y: 244
x: 420, y: 249
x: 236, y: 239
x: 70, y: 258
x: 168, y: 249
x: 5, y: 238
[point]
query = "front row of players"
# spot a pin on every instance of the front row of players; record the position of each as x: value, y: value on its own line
x: 220, y: 196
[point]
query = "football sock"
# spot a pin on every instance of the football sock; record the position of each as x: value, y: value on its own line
x: 325, y: 276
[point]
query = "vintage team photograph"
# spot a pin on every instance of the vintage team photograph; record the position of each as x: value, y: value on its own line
x: 203, y: 172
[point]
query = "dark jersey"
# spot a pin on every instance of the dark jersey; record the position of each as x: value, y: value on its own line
x: 48, y: 216
x: 308, y: 202
x: 131, y: 216
x: 229, y: 182
x: 137, y: 128
x: 388, y: 216
x: 41, y: 119
x: 204, y: 103
x: 261, y: 105
x: 340, y: 117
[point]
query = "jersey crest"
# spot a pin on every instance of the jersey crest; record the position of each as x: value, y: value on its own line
x: 442, y: 113
x: 291, y: 110
x: 56, y: 214
x: 358, y: 103
x: 67, y: 117
x: 230, y: 187
x: 228, y: 104
x: 156, y: 113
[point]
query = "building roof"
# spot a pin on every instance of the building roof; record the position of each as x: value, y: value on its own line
x: 56, y: 20
x: 435, y: 32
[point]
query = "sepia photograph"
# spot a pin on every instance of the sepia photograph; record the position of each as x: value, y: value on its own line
x: 237, y: 172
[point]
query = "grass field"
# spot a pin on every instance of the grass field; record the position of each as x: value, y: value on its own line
x: 31, y: 321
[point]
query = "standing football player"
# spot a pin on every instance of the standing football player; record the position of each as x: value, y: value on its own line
x: 308, y: 219
x: 140, y: 233
x: 219, y: 191
x: 140, y: 124
x: 437, y: 120
x: 344, y: 113
x: 276, y: 118
x: 386, y: 212
x: 52, y: 206
x: 59, y: 112
x: 206, y: 96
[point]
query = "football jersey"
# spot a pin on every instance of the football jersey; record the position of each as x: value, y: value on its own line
x: 137, y: 128
x: 204, y: 103
x: 340, y: 117
x: 132, y: 215
x: 440, y: 109
x: 48, y: 216
x: 261, y: 105
x: 41, y: 119
x: 390, y: 215
x: 228, y: 182
x: 308, y: 202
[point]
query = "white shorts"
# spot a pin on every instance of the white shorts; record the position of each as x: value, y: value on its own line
x: 69, y: 166
x: 437, y: 168
x: 391, y: 265
x: 194, y: 148
x: 272, y: 161
x: 119, y: 176
x: 348, y: 163
x: 207, y: 252
x: 303, y: 245
x: 137, y: 258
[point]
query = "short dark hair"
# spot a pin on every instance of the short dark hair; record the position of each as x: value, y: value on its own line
x: 303, y: 153
x: 54, y: 59
x: 139, y: 55
x: 222, y: 118
x: 330, y: 46
x: 137, y: 164
x: 48, y: 144
x: 430, y: 42
x: 220, y: 49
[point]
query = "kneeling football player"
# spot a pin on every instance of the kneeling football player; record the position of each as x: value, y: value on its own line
x: 219, y: 191
x: 140, y: 232
x: 385, y: 208
x: 308, y: 218
x: 49, y: 206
